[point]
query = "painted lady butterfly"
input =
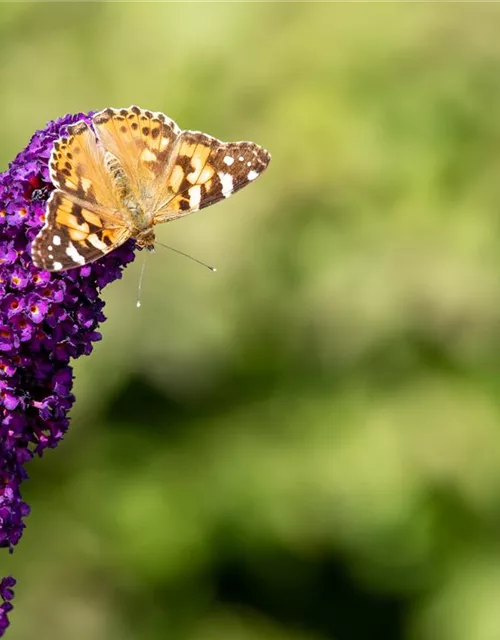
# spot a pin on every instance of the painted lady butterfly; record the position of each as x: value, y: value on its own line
x: 129, y: 171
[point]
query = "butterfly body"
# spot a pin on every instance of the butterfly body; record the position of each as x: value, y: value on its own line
x: 129, y: 171
x: 140, y: 223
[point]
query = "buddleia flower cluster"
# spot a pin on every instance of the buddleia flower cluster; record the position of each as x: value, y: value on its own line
x: 46, y: 319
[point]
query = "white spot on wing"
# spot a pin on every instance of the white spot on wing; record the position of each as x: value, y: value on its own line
x: 148, y: 156
x: 195, y: 196
x: 57, y: 266
x: 227, y: 183
x: 228, y: 160
x: 98, y: 244
x: 241, y: 158
x: 252, y: 174
x: 50, y: 247
x: 73, y: 254
x: 56, y: 240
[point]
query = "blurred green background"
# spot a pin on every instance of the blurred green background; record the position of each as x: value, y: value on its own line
x: 306, y: 445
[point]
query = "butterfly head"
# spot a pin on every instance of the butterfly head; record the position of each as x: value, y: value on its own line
x: 146, y: 239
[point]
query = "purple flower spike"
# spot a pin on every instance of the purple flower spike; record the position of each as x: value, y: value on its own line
x: 45, y: 320
x: 6, y: 594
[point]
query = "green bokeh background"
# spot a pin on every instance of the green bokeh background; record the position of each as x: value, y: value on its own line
x: 306, y: 445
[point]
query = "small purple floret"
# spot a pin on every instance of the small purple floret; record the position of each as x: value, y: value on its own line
x: 45, y: 320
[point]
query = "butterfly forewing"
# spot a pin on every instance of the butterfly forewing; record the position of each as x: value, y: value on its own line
x: 74, y: 234
x: 204, y: 170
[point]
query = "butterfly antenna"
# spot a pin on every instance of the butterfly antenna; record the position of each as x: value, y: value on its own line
x: 186, y: 255
x: 140, y: 281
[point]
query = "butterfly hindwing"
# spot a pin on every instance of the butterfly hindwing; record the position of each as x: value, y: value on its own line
x: 77, y: 166
x: 204, y: 170
x: 74, y: 234
x: 142, y: 141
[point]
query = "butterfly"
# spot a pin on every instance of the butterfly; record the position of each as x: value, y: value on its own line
x: 128, y: 171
